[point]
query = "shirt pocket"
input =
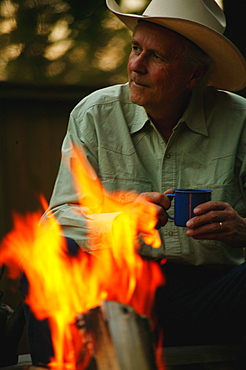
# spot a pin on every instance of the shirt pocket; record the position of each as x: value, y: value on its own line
x: 121, y: 183
x: 230, y: 193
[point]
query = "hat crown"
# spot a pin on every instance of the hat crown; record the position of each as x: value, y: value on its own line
x: 205, y: 12
x: 203, y: 22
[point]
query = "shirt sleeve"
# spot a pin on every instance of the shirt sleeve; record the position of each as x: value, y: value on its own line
x: 240, y: 206
x: 88, y: 229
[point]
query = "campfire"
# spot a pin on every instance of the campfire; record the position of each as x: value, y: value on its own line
x: 100, y: 287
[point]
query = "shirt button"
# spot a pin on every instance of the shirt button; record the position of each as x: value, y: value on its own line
x: 170, y: 233
x: 168, y: 156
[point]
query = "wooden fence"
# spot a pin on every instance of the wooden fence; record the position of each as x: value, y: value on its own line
x: 33, y: 122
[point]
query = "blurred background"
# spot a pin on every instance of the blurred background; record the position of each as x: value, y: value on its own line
x: 52, y: 54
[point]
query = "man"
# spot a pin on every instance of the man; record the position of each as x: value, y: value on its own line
x: 171, y: 127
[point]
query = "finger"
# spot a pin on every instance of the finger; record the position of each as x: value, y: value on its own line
x: 209, y: 206
x: 213, y: 216
x: 161, y: 219
x: 212, y: 227
x: 208, y: 230
x: 223, y: 237
x: 160, y: 202
x: 169, y: 191
x: 158, y: 198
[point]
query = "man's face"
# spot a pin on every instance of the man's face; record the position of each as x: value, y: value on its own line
x: 156, y: 68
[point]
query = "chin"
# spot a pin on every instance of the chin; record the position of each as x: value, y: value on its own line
x: 136, y: 99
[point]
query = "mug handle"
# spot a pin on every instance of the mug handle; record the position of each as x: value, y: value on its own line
x: 170, y: 195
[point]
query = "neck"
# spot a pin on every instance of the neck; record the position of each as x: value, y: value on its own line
x: 167, y: 118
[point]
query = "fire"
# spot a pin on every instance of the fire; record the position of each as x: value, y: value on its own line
x: 61, y: 286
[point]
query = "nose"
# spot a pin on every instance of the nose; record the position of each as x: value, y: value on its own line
x: 138, y: 63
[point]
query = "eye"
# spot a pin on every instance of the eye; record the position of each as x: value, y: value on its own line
x: 157, y: 56
x: 136, y: 49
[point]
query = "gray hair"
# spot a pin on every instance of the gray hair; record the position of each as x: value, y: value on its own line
x: 195, y: 57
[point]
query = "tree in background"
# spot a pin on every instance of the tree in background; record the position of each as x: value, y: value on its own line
x: 62, y: 42
x: 77, y: 42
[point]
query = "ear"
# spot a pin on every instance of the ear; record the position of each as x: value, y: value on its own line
x: 196, y: 76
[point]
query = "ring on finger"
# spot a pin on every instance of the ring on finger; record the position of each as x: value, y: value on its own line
x: 221, y: 225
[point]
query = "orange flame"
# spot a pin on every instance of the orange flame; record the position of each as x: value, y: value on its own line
x: 61, y: 286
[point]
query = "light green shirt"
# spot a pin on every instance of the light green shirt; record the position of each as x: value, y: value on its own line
x: 206, y: 150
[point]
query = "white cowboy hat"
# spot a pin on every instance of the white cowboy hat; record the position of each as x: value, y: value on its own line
x: 203, y: 22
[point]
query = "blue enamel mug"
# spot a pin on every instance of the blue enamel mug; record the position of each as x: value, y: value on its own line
x: 185, y: 200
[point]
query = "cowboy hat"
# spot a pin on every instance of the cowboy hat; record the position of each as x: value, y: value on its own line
x: 203, y: 22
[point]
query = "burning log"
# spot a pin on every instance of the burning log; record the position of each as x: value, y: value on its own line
x: 122, y: 339
x: 116, y: 337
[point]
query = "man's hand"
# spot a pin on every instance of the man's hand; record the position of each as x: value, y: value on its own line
x: 218, y: 221
x: 161, y: 204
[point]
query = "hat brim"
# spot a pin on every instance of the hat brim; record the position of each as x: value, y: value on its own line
x: 229, y: 72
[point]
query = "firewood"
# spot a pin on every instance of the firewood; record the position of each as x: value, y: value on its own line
x: 122, y: 338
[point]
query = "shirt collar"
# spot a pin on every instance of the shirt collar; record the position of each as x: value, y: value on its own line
x: 139, y: 120
x: 194, y: 115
